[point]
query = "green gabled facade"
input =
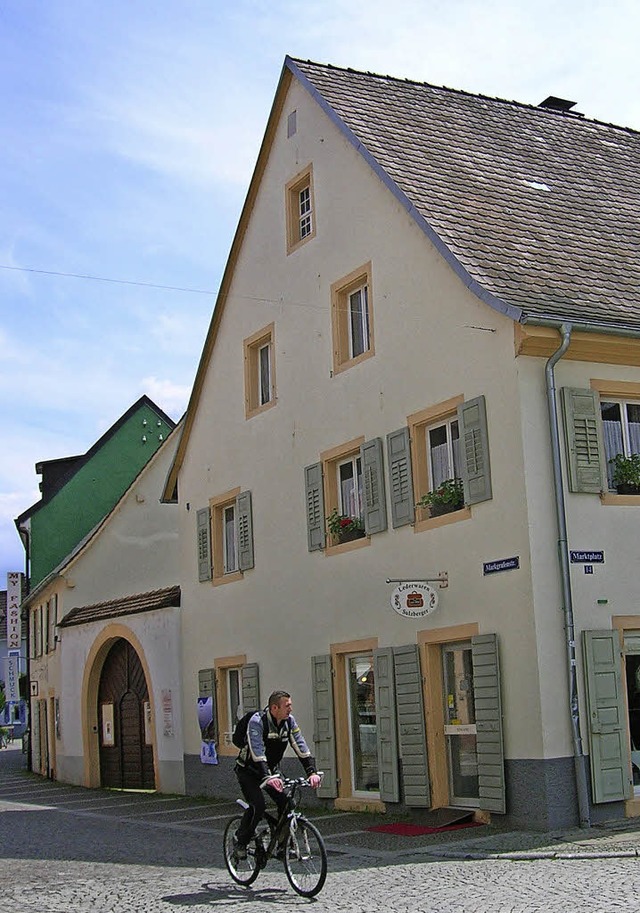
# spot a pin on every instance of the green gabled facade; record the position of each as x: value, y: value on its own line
x: 78, y: 492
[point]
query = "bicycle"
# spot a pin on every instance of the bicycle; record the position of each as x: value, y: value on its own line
x: 305, y: 856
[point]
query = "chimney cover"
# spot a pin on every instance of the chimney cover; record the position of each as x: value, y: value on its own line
x: 557, y: 104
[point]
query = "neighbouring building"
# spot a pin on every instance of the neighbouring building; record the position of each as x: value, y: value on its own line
x: 394, y: 485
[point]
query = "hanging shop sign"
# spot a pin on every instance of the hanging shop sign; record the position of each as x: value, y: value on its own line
x: 414, y: 599
x: 14, y: 629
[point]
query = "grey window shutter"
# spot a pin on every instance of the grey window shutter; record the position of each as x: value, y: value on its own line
x: 488, y: 706
x: 411, y: 726
x: 203, y: 522
x: 608, y: 735
x: 375, y: 502
x: 323, y: 725
x: 475, y: 466
x: 250, y: 687
x: 315, y: 506
x: 583, y: 436
x: 387, y: 732
x: 401, y: 478
x: 206, y: 689
x: 245, y: 530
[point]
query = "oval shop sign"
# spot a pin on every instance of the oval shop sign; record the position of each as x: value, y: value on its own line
x: 414, y: 599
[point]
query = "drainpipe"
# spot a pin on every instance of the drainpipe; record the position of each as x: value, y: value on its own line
x: 563, y: 559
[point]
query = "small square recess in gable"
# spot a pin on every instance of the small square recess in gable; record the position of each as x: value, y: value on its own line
x: 292, y: 124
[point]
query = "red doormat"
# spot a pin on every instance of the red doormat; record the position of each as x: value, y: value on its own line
x: 415, y: 830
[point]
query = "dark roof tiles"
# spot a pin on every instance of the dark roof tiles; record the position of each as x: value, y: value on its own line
x: 541, y: 208
x: 126, y: 605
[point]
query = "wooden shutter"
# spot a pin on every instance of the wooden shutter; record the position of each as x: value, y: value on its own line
x: 207, y: 688
x: 250, y: 687
x: 387, y: 731
x: 411, y: 728
x: 204, y: 544
x: 323, y: 724
x: 583, y: 436
x: 475, y: 467
x: 245, y: 530
x: 315, y: 506
x: 375, y: 502
x: 401, y: 479
x: 488, y: 706
x: 608, y: 735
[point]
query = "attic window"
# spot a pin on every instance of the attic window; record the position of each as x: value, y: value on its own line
x: 537, y: 185
x: 557, y: 104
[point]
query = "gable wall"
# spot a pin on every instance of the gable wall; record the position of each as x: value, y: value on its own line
x: 433, y: 341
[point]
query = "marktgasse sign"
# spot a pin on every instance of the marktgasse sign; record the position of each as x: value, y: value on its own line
x: 414, y: 599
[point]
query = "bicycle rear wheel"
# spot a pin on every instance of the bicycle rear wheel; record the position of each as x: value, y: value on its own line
x: 243, y: 871
x: 305, y: 860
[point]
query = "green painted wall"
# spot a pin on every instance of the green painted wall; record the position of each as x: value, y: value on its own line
x: 60, y: 524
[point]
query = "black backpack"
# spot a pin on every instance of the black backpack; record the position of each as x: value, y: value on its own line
x: 239, y: 737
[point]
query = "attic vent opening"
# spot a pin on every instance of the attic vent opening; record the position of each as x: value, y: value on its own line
x: 553, y: 103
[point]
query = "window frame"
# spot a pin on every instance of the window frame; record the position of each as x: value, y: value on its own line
x: 253, y: 346
x: 418, y: 423
x: 303, y: 181
x: 219, y: 506
x: 342, y: 290
x: 223, y: 665
x: 620, y: 391
x: 331, y: 460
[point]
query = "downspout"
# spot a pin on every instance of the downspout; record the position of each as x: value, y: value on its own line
x: 563, y: 559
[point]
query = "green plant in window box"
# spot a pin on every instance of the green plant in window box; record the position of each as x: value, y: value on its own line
x: 344, y: 528
x: 444, y: 499
x: 626, y: 473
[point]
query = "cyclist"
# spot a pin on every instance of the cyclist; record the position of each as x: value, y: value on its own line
x: 269, y: 731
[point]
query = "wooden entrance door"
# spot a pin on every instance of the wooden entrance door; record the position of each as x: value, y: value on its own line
x: 126, y: 761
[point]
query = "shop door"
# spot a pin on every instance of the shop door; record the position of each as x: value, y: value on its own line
x: 632, y: 675
x: 126, y: 758
x: 363, y: 726
x: 460, y: 725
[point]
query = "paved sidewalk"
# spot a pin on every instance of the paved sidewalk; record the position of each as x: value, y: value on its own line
x: 346, y: 834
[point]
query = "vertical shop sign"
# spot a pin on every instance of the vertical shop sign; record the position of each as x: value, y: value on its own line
x: 14, y: 629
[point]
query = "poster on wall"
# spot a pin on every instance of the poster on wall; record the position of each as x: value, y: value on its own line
x: 208, y: 753
x: 167, y: 713
x: 108, y: 736
x: 148, y: 732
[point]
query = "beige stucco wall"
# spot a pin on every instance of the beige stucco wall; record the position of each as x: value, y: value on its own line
x: 433, y: 340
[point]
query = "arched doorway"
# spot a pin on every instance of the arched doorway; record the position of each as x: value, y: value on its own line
x: 126, y: 752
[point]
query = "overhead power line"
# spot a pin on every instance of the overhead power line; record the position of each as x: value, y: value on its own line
x: 50, y: 272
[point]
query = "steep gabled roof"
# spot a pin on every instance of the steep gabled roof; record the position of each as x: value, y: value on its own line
x: 540, y: 207
x: 536, y: 209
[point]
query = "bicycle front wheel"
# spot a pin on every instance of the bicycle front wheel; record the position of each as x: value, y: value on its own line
x: 305, y: 860
x: 243, y: 871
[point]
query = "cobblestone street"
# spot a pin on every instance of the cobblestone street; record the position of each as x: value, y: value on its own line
x: 70, y: 850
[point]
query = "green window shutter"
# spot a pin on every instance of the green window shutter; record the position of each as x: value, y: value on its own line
x: 411, y: 726
x: 203, y: 522
x: 488, y: 706
x: 608, y: 735
x: 323, y: 725
x: 207, y: 688
x: 245, y: 530
x: 315, y: 506
x: 475, y: 466
x: 400, y: 477
x: 583, y: 436
x: 387, y: 732
x: 375, y: 502
x: 250, y: 687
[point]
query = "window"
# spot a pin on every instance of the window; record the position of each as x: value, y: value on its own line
x: 343, y: 494
x: 349, y: 474
x: 300, y: 213
x: 435, y: 436
x: 237, y: 690
x: 351, y: 318
x: 621, y: 431
x: 225, y: 537
x: 443, y: 444
x: 259, y: 371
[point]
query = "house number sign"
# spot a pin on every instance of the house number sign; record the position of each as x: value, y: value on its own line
x: 414, y: 599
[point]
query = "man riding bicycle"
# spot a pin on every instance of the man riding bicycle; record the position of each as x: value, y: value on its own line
x: 269, y: 732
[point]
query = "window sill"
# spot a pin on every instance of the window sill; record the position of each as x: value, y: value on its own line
x: 610, y: 497
x: 351, y: 362
x: 347, y: 546
x: 258, y: 410
x: 425, y: 522
x: 227, y: 578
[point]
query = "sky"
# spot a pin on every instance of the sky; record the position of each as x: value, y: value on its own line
x: 129, y: 130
